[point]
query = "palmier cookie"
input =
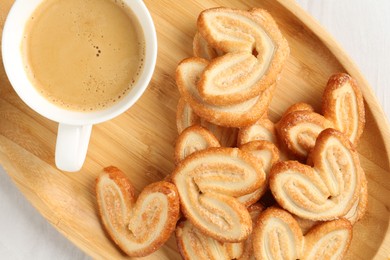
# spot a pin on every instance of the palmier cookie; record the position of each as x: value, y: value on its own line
x: 263, y: 129
x: 298, y: 131
x: 255, y: 54
x: 209, y: 182
x: 242, y: 114
x: 247, y: 251
x: 300, y: 106
x: 186, y: 117
x: 267, y: 154
x: 328, y: 240
x: 277, y: 235
x: 342, y: 109
x: 192, y: 139
x: 359, y: 208
x: 342, y: 103
x: 193, y: 244
x: 139, y: 227
x: 327, y: 190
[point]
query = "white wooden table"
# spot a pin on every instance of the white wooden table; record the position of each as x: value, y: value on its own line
x: 363, y: 29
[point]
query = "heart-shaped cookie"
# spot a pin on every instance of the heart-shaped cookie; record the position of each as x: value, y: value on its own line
x: 255, y: 51
x: 342, y: 103
x: 194, y: 245
x: 241, y: 114
x: 327, y: 190
x: 209, y: 183
x: 328, y: 240
x: 139, y: 227
x: 277, y: 235
x: 342, y: 109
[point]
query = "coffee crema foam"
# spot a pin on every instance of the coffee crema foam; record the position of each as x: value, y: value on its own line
x: 83, y: 55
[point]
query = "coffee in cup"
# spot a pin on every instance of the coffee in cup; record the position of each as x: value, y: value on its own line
x: 79, y: 63
x: 83, y: 55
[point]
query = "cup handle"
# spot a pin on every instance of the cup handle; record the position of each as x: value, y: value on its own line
x: 72, y: 146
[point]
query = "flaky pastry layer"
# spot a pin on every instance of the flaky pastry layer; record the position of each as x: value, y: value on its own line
x: 138, y: 226
x: 209, y: 183
x: 242, y: 114
x: 192, y: 139
x: 254, y: 54
x: 326, y: 191
x: 277, y: 235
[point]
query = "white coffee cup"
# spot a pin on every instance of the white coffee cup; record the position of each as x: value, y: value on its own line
x: 74, y: 128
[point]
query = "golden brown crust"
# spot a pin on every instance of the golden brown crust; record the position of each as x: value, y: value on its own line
x: 300, y: 106
x: 255, y: 211
x: 204, y: 181
x: 328, y: 240
x: 128, y: 191
x: 322, y: 154
x: 262, y: 129
x: 123, y: 183
x: 247, y: 74
x: 193, y: 244
x: 299, y: 129
x: 192, y: 139
x: 122, y: 218
x: 277, y: 233
x: 342, y: 103
x: 342, y: 108
x: 328, y: 190
x: 243, y: 114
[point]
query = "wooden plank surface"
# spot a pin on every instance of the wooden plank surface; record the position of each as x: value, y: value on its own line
x: 141, y: 141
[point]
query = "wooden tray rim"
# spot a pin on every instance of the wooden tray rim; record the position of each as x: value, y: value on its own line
x: 334, y: 47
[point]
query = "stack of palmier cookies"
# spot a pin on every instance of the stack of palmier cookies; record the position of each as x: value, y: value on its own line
x: 238, y: 56
x: 229, y: 154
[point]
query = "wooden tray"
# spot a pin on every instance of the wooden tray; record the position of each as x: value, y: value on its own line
x: 140, y: 142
